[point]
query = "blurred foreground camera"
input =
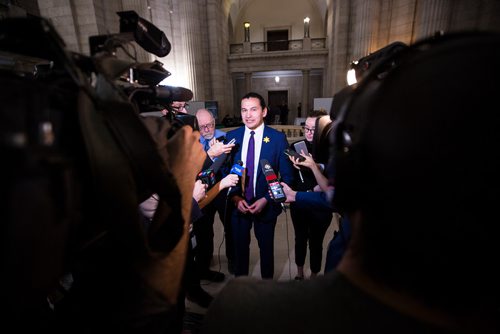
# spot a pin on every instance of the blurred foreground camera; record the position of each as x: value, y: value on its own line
x: 140, y: 82
x: 373, y: 65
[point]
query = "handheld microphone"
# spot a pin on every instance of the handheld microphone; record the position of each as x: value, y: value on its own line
x: 238, y: 170
x: 207, y: 176
x: 272, y: 180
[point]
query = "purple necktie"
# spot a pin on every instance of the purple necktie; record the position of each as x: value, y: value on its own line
x: 250, y: 167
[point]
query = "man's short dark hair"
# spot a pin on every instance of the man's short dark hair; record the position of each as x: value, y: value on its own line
x: 257, y: 96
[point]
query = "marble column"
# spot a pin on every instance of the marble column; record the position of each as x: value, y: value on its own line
x: 191, y: 26
x: 365, y: 29
x: 305, y: 92
x: 432, y: 16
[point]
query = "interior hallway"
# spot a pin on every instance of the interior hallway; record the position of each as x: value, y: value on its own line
x: 284, y: 256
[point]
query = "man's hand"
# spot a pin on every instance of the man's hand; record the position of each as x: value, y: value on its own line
x: 289, y: 193
x: 229, y: 181
x: 241, y: 204
x: 258, y: 205
x: 200, y: 190
x: 217, y: 148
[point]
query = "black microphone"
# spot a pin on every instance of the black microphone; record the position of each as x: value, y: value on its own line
x: 207, y: 176
x: 277, y: 192
x: 236, y: 169
x: 220, y: 159
x: 171, y: 93
x: 218, y: 162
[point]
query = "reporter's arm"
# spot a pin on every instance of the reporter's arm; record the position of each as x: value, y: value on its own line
x: 309, y: 162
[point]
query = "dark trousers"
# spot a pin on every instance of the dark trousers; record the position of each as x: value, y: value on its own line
x: 204, y: 230
x: 310, y: 226
x: 338, y: 245
x: 264, y: 233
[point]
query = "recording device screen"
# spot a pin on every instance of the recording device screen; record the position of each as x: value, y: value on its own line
x: 273, y: 182
x: 300, y: 146
x: 293, y: 154
x: 277, y: 191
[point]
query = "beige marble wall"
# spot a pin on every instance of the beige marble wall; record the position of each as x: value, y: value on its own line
x: 201, y: 30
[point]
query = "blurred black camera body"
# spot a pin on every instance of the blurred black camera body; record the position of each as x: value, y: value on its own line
x: 140, y: 81
x: 324, y: 136
x: 78, y: 161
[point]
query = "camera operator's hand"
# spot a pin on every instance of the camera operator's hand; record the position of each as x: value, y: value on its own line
x: 185, y: 157
x: 229, y: 181
x: 200, y: 190
x: 289, y: 193
x: 217, y: 148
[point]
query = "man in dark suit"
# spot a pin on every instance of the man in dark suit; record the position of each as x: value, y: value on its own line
x: 254, y: 205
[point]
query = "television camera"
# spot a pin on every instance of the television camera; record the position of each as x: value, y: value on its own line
x: 78, y: 160
x: 141, y: 81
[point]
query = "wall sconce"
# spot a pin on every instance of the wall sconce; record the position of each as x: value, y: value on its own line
x: 306, y: 27
x: 277, y: 79
x: 246, y: 25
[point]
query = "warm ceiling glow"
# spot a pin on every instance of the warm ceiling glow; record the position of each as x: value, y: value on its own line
x: 277, y: 79
x: 307, y: 19
x: 246, y: 25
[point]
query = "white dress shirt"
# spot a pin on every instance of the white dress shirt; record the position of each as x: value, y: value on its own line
x: 258, y: 136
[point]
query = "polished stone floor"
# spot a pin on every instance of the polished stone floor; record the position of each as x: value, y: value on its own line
x: 284, y: 257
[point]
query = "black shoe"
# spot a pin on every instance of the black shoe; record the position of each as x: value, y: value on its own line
x: 213, y: 276
x: 299, y: 278
x: 199, y: 296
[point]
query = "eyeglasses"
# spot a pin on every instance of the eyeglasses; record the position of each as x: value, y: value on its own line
x: 207, y: 127
x: 180, y: 106
x: 311, y: 130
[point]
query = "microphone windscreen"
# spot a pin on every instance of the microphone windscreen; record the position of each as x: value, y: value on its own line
x: 237, y: 168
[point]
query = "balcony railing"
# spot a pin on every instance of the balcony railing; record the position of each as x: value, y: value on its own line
x: 283, y: 45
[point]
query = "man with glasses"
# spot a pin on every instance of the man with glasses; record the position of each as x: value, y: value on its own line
x: 177, y: 107
x: 209, y: 133
x: 204, y: 227
x: 180, y: 106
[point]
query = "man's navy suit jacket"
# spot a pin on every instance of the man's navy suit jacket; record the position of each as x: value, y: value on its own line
x: 273, y: 146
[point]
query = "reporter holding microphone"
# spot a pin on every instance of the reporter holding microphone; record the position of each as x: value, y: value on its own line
x: 310, y: 226
x: 212, y: 140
